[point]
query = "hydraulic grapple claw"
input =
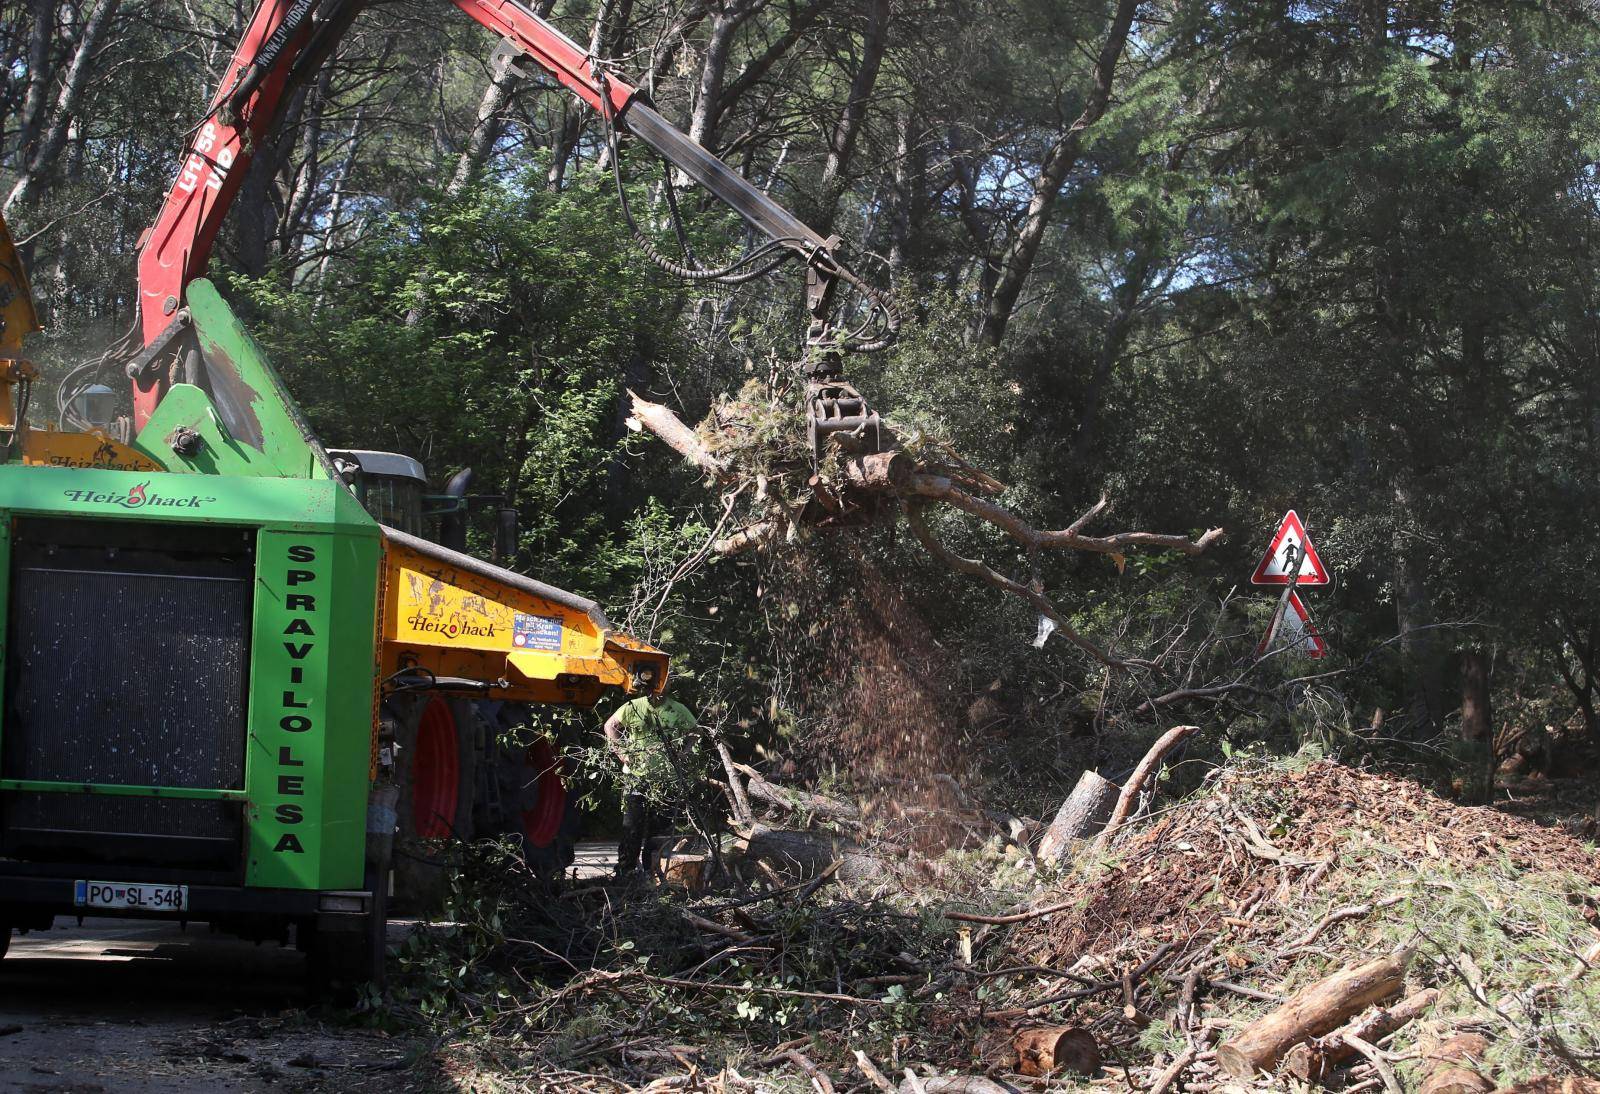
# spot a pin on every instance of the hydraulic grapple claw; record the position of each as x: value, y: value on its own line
x: 836, y: 409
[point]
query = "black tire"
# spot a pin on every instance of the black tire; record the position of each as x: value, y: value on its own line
x: 436, y: 802
x: 537, y: 805
x: 5, y: 937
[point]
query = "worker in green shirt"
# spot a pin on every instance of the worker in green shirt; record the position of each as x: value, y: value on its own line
x: 635, y: 735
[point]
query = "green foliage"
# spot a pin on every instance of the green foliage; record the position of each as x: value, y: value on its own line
x: 489, y: 330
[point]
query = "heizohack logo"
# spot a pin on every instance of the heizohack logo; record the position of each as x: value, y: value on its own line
x: 453, y: 627
x: 138, y: 497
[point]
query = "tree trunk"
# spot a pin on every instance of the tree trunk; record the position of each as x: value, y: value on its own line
x: 907, y: 174
x: 1318, y: 1009
x: 336, y: 201
x: 1477, y: 729
x: 54, y: 138
x: 1124, y: 301
x: 1583, y: 641
x: 806, y: 853
x: 678, y: 436
x: 752, y: 72
x: 1419, y: 644
x: 1084, y: 813
x: 841, y: 147
x: 489, y: 123
x: 708, y: 101
x: 1063, y: 156
x: 255, y: 212
x: 796, y: 801
x: 308, y: 175
x: 30, y: 119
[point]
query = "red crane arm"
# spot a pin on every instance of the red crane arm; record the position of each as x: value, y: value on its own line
x: 287, y: 40
x: 178, y: 246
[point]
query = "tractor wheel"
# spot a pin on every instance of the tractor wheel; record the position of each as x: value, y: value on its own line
x: 436, y: 769
x: 541, y: 809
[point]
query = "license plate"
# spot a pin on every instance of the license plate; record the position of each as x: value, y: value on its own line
x: 136, y: 896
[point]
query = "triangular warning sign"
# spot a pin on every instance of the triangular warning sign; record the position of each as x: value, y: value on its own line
x: 1295, y: 632
x: 1290, y: 539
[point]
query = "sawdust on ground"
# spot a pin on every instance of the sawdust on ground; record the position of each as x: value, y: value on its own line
x: 1190, y: 874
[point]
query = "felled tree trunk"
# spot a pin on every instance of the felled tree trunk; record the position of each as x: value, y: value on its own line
x: 1318, y: 1009
x: 1084, y: 813
x: 802, y: 854
x: 680, y: 438
x: 847, y: 487
x: 1315, y: 1060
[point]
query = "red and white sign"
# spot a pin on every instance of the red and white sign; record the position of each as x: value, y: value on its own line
x: 1290, y: 541
x: 1295, y: 632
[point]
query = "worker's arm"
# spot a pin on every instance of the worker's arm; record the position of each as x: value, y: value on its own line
x: 613, y: 732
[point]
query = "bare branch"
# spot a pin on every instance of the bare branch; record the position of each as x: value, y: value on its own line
x: 943, y: 489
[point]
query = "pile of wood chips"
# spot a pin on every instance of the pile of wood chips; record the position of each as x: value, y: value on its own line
x: 1218, y: 929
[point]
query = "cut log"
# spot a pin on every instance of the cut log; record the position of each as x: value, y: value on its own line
x: 795, y: 801
x: 952, y: 1084
x: 680, y: 438
x: 1084, y: 813
x: 686, y: 872
x: 799, y: 854
x: 1452, y: 1066
x: 879, y: 471
x: 1042, y: 1050
x: 1318, y: 1009
x: 1314, y: 1061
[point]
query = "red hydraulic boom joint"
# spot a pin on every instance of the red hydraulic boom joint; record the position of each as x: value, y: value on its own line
x: 284, y: 45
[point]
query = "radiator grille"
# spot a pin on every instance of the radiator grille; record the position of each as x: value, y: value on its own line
x: 127, y: 665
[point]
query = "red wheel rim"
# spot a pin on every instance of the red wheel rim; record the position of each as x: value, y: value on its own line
x: 436, y: 773
x: 542, y: 823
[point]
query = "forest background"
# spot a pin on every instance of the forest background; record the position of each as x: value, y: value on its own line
x: 1215, y: 260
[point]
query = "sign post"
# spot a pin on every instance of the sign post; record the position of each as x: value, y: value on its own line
x: 1292, y: 561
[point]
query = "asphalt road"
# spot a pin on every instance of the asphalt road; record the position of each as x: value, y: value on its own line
x: 135, y: 1006
x: 126, y: 1006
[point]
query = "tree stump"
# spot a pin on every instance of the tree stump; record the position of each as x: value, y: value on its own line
x: 1083, y: 814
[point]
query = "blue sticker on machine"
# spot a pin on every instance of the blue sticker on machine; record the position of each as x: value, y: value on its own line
x: 536, y: 632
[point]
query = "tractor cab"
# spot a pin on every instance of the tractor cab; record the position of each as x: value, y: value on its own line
x: 388, y: 485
